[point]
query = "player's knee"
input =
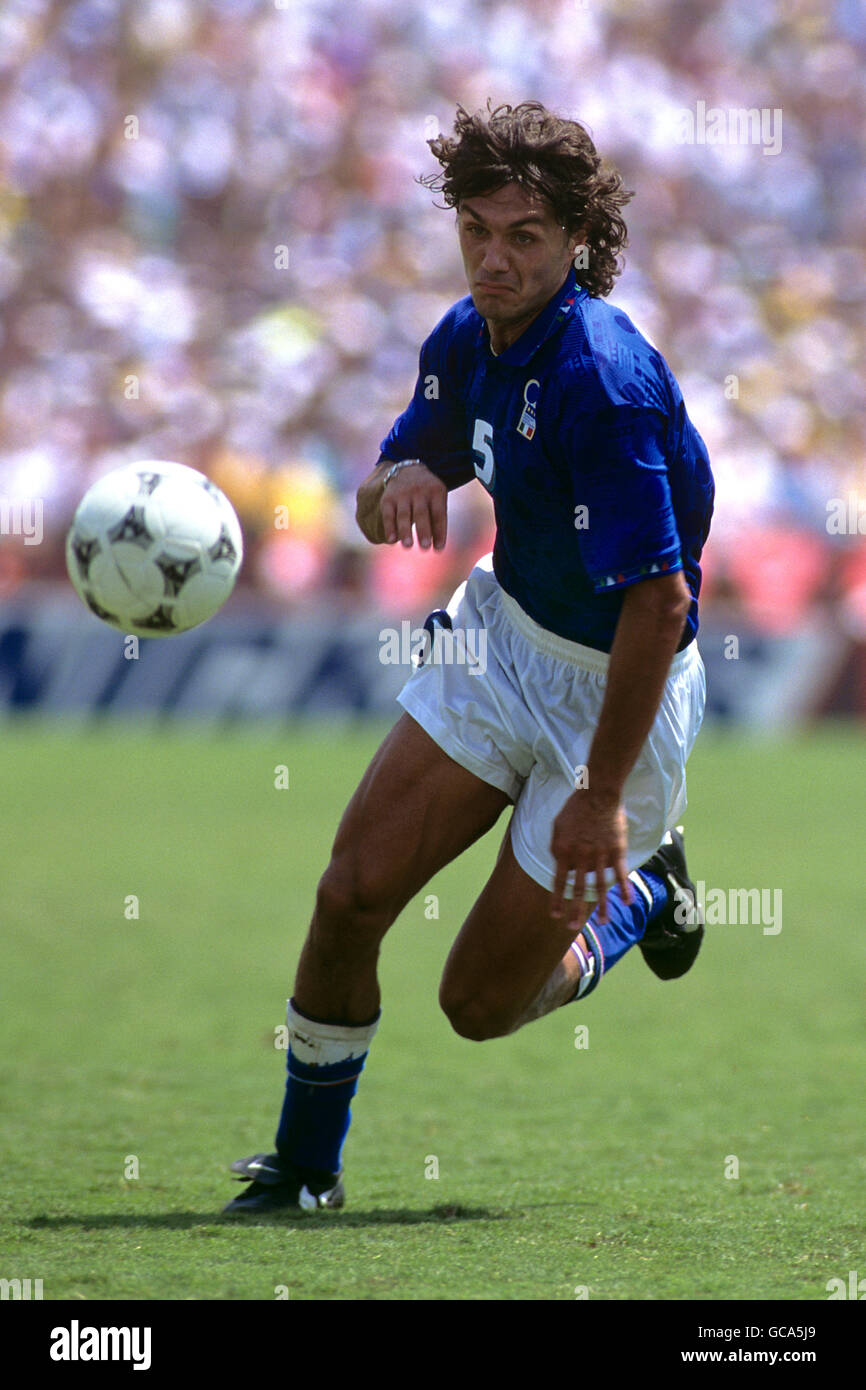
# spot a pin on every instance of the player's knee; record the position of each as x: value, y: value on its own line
x: 350, y: 902
x: 477, y: 1026
x: 471, y: 1017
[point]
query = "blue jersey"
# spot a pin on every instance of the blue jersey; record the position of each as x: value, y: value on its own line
x: 579, y: 432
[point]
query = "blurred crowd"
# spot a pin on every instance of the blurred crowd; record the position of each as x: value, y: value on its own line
x: 213, y: 249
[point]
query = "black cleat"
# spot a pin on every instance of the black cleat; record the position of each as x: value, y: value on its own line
x: 671, y: 943
x: 276, y: 1186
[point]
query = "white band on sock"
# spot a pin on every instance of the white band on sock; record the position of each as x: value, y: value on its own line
x: 644, y: 888
x: 587, y: 969
x: 323, y: 1044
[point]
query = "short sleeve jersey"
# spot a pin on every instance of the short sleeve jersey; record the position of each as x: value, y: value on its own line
x: 579, y: 432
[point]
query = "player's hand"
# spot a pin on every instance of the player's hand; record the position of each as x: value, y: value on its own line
x: 413, y: 497
x: 589, y: 836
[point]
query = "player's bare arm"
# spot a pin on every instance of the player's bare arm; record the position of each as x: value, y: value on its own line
x: 589, y: 834
x: 413, y: 496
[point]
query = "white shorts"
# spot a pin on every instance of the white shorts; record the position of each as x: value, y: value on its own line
x: 519, y: 706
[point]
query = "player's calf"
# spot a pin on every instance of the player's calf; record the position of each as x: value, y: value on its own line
x: 572, y: 978
x: 663, y: 919
x: 478, y: 1020
x: 356, y: 904
x: 481, y: 1011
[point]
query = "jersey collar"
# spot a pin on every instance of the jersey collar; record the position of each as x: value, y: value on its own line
x: 549, y: 321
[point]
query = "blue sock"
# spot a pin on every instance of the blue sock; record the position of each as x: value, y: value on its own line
x: 608, y: 941
x: 324, y: 1063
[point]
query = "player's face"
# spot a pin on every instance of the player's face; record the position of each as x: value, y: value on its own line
x: 516, y: 256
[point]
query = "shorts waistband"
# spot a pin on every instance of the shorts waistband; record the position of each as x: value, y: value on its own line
x: 587, y: 658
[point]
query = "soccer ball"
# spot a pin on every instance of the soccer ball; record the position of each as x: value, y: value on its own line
x: 154, y: 548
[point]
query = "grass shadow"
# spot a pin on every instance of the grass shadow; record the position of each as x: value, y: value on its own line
x: 320, y: 1221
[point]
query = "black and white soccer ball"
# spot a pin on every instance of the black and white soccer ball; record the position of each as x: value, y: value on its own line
x: 154, y: 548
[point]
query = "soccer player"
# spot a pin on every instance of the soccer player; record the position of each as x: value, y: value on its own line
x: 581, y: 704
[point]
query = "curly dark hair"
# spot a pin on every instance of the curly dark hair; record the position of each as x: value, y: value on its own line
x: 547, y: 155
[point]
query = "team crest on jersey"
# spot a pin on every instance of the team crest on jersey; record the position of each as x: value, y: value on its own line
x: 527, y: 422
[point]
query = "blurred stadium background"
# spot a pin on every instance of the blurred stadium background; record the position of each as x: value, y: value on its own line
x: 212, y: 249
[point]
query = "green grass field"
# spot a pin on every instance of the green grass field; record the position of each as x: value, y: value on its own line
x: 148, y: 1043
